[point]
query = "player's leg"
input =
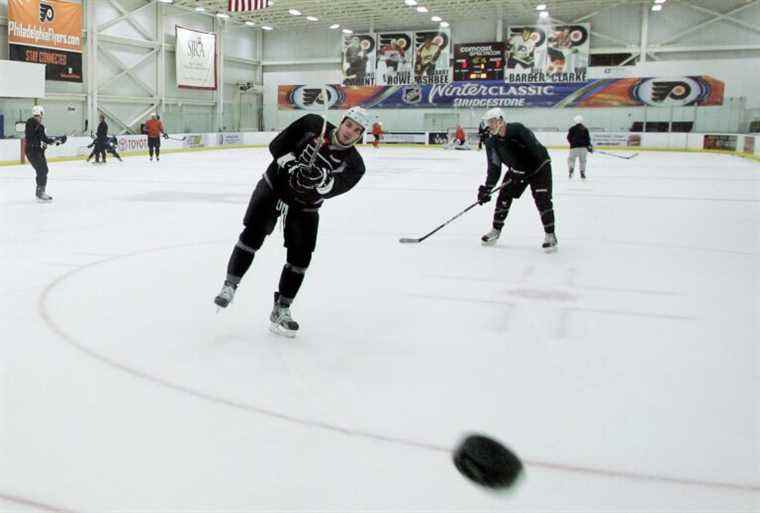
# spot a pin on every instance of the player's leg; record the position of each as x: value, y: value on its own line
x: 301, y: 229
x: 507, y: 193
x: 39, y: 163
x: 151, y: 144
x: 582, y: 156
x: 259, y: 221
x: 571, y: 162
x: 541, y: 187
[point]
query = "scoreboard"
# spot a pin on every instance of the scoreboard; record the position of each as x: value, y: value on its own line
x: 479, y: 61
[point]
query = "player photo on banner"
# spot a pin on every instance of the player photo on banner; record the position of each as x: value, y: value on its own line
x: 395, y: 56
x: 432, y: 57
x: 359, y: 59
x: 548, y: 53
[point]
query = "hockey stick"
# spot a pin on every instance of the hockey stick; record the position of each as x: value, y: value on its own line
x: 318, y: 144
x: 180, y: 139
x: 625, y: 157
x: 408, y: 240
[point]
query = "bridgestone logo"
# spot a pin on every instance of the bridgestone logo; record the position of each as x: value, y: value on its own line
x: 37, y: 35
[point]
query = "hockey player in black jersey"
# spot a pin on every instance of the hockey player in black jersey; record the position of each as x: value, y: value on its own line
x: 36, y: 141
x: 312, y: 160
x: 515, y: 146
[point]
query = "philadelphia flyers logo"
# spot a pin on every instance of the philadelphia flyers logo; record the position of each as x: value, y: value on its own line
x: 674, y: 92
x: 46, y: 12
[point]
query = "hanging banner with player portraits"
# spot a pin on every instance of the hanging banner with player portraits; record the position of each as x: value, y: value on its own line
x: 548, y: 53
x: 196, y: 59
x: 432, y: 56
x: 47, y: 32
x: 395, y: 58
x: 359, y: 59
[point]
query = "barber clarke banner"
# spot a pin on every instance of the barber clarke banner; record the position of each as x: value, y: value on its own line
x: 358, y: 60
x: 395, y: 58
x: 196, y: 59
x: 548, y: 53
x: 622, y: 92
x: 432, y: 55
x: 47, y: 32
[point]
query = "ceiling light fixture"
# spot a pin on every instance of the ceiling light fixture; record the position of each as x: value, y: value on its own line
x: 250, y: 23
x: 543, y: 14
x: 410, y: 3
x: 222, y: 15
x: 335, y: 26
x: 200, y: 9
x: 541, y: 7
x: 422, y: 8
x: 444, y: 24
x: 657, y: 7
x: 436, y: 18
x: 312, y: 18
x: 294, y: 12
x: 266, y: 27
x: 347, y: 31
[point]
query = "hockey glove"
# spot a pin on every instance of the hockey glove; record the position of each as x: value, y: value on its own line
x: 591, y: 149
x: 484, y: 194
x: 166, y: 136
x: 309, y: 178
x: 62, y: 139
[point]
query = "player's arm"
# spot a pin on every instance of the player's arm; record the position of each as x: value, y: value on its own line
x: 493, y: 170
x: 338, y: 183
x: 534, y: 148
x: 287, y: 140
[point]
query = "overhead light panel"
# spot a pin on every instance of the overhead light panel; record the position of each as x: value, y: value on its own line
x: 422, y: 8
x: 335, y: 26
x: 659, y: 1
x: 222, y: 15
x: 444, y: 24
x: 541, y: 7
x: 200, y: 8
x: 347, y: 31
x: 543, y: 14
x: 294, y: 12
x: 250, y: 23
x: 657, y: 7
x: 436, y: 18
x: 312, y: 18
x: 165, y: 1
x: 410, y: 3
x: 266, y: 27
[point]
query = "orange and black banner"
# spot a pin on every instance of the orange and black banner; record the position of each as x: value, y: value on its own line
x: 47, y: 32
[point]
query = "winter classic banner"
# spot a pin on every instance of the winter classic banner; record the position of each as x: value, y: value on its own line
x: 546, y: 53
x: 47, y: 32
x: 616, y: 92
x: 196, y: 59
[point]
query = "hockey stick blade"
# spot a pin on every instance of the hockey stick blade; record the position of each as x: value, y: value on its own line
x: 407, y: 240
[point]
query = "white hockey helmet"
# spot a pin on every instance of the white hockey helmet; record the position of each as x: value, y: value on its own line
x: 493, y: 114
x: 359, y: 115
x: 37, y: 110
x: 578, y: 119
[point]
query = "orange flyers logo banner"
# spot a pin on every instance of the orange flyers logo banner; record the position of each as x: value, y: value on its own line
x: 53, y: 24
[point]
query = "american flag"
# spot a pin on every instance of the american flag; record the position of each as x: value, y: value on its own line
x: 246, y: 5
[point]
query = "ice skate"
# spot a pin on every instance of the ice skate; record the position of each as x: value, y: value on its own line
x: 490, y: 238
x: 550, y: 243
x: 583, y: 175
x: 225, y: 296
x: 570, y: 174
x: 42, y: 196
x: 282, y: 323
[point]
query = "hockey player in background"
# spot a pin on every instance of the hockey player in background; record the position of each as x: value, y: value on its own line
x: 100, y: 142
x: 377, y: 133
x: 154, y: 128
x: 515, y: 146
x: 580, y: 146
x: 482, y: 134
x: 36, y: 141
x: 313, y: 160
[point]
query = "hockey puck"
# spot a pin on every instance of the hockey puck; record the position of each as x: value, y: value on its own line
x: 487, y: 462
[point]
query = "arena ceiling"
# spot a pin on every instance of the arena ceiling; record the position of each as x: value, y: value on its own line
x: 395, y: 14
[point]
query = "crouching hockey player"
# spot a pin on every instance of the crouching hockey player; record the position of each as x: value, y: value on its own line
x: 459, y: 141
x: 36, y: 142
x: 313, y: 160
x: 515, y: 146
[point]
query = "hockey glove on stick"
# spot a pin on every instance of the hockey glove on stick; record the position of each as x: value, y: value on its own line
x: 484, y: 194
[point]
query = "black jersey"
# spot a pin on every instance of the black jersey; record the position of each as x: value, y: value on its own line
x: 518, y: 149
x: 344, y: 166
x: 36, y: 138
x: 578, y: 136
x: 102, y: 132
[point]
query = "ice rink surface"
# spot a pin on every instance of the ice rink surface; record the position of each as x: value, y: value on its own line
x: 623, y: 368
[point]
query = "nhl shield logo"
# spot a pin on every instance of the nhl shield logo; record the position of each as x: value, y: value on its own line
x: 412, y: 94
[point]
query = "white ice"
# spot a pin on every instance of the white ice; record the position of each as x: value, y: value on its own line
x: 622, y: 369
